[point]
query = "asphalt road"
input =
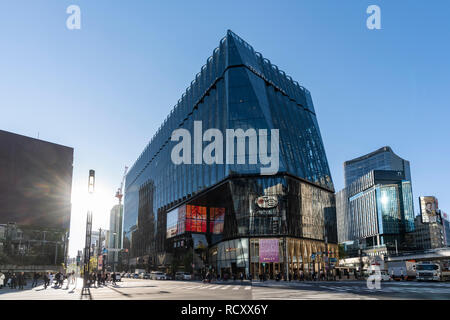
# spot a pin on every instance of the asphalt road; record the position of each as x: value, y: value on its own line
x: 139, y: 289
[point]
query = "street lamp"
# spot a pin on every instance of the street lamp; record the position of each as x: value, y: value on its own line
x: 87, y: 247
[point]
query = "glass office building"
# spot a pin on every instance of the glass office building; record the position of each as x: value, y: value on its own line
x: 381, y: 159
x: 228, y: 217
x: 376, y: 210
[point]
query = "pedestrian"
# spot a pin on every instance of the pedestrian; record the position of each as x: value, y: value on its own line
x: 241, y: 276
x: 50, y: 279
x: 35, y: 280
x: 57, y: 275
x: 13, y: 281
x: 46, y: 279
x: 2, y: 280
x: 99, y: 279
x: 21, y: 280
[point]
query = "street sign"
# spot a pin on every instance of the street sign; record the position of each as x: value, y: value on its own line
x: 313, y: 256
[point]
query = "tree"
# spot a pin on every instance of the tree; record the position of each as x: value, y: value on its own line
x: 341, y: 250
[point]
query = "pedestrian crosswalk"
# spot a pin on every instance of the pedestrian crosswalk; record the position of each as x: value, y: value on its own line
x: 208, y: 287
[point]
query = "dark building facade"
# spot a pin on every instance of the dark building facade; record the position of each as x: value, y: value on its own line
x: 381, y: 159
x: 35, y: 200
x: 231, y: 217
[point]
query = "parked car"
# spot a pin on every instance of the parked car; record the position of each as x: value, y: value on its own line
x: 136, y: 276
x: 157, y: 275
x: 146, y: 276
x: 182, y: 276
x: 168, y: 276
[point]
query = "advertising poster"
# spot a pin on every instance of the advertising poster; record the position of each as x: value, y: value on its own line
x: 199, y: 241
x: 268, y: 250
x: 217, y: 217
x: 429, y: 210
x: 195, y: 218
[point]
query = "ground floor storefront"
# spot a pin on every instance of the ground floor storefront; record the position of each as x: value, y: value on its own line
x: 269, y: 257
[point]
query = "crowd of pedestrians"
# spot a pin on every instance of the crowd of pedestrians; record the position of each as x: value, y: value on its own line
x: 101, y: 279
x: 18, y: 281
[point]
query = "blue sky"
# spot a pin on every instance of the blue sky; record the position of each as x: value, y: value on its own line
x: 106, y: 88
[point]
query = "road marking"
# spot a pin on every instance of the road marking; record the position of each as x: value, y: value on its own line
x: 214, y: 287
x: 248, y: 288
x: 236, y: 288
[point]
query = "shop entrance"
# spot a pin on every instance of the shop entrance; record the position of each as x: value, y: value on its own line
x: 270, y: 270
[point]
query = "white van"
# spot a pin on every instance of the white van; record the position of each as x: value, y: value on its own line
x: 157, y: 275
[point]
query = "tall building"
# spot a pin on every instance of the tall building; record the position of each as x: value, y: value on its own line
x: 376, y: 210
x: 35, y: 195
x: 446, y: 224
x: 115, y: 237
x: 236, y: 215
x: 381, y: 159
x: 430, y: 227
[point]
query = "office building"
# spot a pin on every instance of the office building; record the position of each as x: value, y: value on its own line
x: 430, y: 227
x: 115, y: 235
x: 233, y: 216
x: 381, y: 159
x: 376, y: 211
x: 35, y: 195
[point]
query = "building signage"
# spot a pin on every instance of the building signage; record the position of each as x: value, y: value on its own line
x: 267, y: 202
x: 429, y: 210
x: 268, y: 250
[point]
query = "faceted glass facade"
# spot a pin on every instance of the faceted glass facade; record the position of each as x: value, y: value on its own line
x: 236, y: 89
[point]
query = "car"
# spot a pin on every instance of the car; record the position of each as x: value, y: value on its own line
x: 182, y: 276
x: 146, y: 276
x: 168, y: 276
x: 135, y: 276
x: 384, y: 275
x: 157, y: 275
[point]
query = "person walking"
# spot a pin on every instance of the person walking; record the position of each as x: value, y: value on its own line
x: 35, y: 280
x: 21, y: 280
x: 2, y: 280
x: 50, y: 279
x: 46, y: 278
x: 13, y: 281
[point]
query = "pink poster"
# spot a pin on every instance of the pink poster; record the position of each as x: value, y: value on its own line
x: 268, y: 250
